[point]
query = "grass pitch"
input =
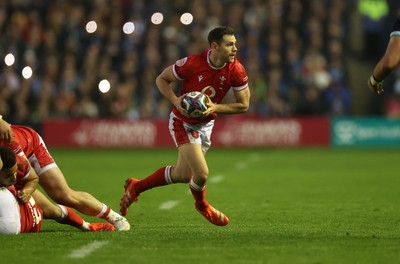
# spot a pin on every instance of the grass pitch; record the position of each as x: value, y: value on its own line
x: 285, y: 206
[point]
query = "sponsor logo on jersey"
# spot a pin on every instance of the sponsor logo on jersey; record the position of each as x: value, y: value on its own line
x: 221, y: 80
x: 181, y: 62
x: 200, y: 77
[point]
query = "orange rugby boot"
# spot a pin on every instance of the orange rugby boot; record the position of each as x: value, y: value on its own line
x: 99, y: 227
x: 213, y: 215
x: 130, y: 195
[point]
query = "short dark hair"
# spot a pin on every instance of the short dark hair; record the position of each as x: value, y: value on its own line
x: 8, y: 157
x: 218, y: 33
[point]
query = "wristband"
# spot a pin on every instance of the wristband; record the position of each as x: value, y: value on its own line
x: 373, y: 81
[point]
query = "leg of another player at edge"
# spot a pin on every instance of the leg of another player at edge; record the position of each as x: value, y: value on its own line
x: 58, y: 212
x: 55, y: 185
x: 69, y: 217
x: 65, y: 215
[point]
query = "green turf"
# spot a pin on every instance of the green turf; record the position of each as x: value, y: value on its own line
x: 285, y: 206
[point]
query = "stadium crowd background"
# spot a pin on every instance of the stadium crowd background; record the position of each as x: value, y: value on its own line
x: 299, y: 55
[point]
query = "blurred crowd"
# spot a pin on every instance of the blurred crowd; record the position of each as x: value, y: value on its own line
x: 293, y: 50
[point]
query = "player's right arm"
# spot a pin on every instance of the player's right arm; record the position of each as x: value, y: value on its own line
x: 388, y: 62
x: 164, y: 82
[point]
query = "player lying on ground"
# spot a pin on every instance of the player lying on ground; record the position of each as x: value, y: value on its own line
x: 28, y: 143
x: 24, y: 215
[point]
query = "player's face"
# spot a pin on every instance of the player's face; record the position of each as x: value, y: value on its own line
x: 227, y: 49
x: 8, y: 176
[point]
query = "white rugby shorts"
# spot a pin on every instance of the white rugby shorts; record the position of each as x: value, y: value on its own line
x: 184, y: 133
x: 10, y: 218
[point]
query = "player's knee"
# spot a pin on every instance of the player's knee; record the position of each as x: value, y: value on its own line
x: 200, y: 177
x: 186, y: 178
x: 51, y: 211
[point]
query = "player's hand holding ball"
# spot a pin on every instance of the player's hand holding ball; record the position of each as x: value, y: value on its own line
x: 211, y: 107
x: 195, y: 104
x: 180, y: 107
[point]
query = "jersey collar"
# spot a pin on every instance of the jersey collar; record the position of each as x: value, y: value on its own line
x: 210, y: 64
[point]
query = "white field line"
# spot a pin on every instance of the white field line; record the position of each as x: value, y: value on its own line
x: 241, y: 165
x: 168, y: 205
x: 87, y: 249
x: 254, y: 158
x: 216, y: 179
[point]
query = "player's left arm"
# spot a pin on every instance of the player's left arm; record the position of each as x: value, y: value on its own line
x: 30, y: 186
x: 241, y: 104
x: 6, y: 133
